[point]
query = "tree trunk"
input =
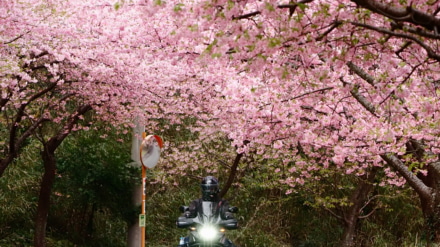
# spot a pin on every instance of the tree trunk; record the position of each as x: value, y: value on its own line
x: 44, y: 198
x: 428, y: 190
x: 349, y: 234
x: 4, y: 164
x: 357, y: 200
x: 49, y: 163
x: 431, y: 205
x: 232, y: 173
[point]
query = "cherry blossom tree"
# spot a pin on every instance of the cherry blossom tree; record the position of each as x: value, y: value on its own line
x: 65, y: 66
x: 351, y: 84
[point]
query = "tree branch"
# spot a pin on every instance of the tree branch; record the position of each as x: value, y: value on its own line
x: 291, y: 6
x: 334, y: 25
x: 20, y: 114
x: 361, y: 73
x: 16, y: 38
x: 231, y: 177
x: 417, y: 31
x: 360, y: 98
x: 232, y: 173
x: 307, y: 93
x: 245, y: 16
x: 71, y: 123
x: 408, y: 14
x: 417, y: 184
x: 431, y: 53
x: 333, y: 213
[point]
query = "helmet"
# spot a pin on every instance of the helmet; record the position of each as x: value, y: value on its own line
x: 210, y: 188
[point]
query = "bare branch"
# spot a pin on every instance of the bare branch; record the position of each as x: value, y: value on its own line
x: 334, y: 25
x: 291, y: 6
x: 417, y: 31
x: 416, y: 183
x: 406, y: 14
x: 431, y: 53
x: 20, y: 114
x: 16, y: 38
x: 333, y: 213
x: 360, y: 98
x: 245, y: 16
x: 361, y: 73
x: 307, y: 93
x: 369, y: 214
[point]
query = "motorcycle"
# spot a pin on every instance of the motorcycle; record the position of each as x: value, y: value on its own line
x: 207, y: 228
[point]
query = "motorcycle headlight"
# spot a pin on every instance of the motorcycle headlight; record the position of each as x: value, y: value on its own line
x: 208, y: 233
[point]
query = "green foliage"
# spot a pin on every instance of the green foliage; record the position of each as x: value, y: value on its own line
x: 269, y: 7
x: 179, y: 7
x: 18, y: 198
x: 159, y: 2
x: 162, y: 211
x: 269, y: 217
x: 93, y: 190
x: 92, y: 200
x: 398, y: 223
x: 117, y: 5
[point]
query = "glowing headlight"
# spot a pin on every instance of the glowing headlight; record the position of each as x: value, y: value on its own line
x: 208, y: 233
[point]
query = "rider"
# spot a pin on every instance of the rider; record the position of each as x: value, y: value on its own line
x: 210, y: 192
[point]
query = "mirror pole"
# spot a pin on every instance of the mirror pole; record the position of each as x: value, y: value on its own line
x: 144, y: 196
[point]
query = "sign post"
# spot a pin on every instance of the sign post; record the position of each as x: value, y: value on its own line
x: 149, y: 155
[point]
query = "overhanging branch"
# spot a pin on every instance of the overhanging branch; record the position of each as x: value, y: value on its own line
x: 360, y: 98
x: 429, y: 50
x: 417, y: 184
x: 291, y: 6
x: 401, y: 14
x: 361, y: 73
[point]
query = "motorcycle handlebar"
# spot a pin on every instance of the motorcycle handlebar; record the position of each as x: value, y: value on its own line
x: 183, y: 209
x: 184, y: 222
